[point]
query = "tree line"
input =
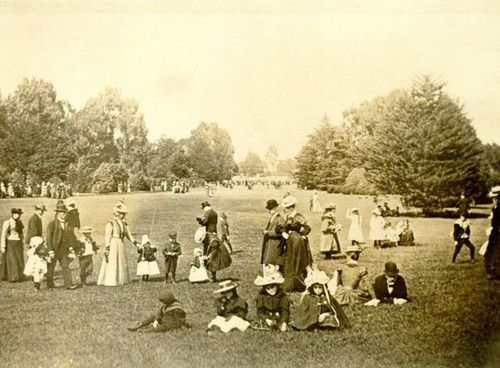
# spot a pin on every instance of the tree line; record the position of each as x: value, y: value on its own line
x: 44, y: 139
x: 416, y: 142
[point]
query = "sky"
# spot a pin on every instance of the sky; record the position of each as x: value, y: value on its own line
x: 266, y: 71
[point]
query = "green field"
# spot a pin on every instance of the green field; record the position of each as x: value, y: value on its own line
x: 452, y: 319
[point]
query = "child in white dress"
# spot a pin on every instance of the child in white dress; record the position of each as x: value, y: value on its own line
x: 198, y: 271
x: 38, y: 256
x: 355, y: 233
x: 146, y: 264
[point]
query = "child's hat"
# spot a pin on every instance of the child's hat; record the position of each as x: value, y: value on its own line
x: 200, y: 234
x: 316, y: 277
x: 86, y: 230
x: 36, y: 241
x: 353, y: 249
x: 167, y: 297
x: 226, y: 286
x: 145, y: 239
x: 197, y: 251
x: 269, y: 279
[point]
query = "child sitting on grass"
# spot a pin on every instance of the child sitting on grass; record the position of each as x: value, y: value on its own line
x: 273, y: 305
x: 146, y: 264
x: 170, y: 316
x: 318, y: 309
x: 198, y: 271
x: 38, y: 256
x: 231, y: 309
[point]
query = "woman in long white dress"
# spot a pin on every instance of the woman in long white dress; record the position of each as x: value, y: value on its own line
x: 315, y: 205
x: 114, y: 269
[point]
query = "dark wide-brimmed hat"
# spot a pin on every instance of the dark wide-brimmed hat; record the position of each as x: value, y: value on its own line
x: 61, y: 207
x: 205, y: 204
x: 40, y: 207
x: 167, y: 298
x: 16, y: 210
x: 391, y: 269
x: 271, y: 204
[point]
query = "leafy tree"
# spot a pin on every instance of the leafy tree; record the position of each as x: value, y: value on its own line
x: 107, y: 176
x: 424, y: 148
x: 252, y: 165
x: 356, y: 183
x: 159, y: 164
x: 179, y: 163
x: 492, y: 161
x: 211, y: 152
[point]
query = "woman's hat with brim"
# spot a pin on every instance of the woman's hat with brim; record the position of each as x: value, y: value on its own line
x: 35, y: 241
x: 355, y: 209
x: 289, y: 201
x: 167, y: 297
x: 391, y: 269
x: 200, y: 234
x: 86, y: 230
x: 353, y: 249
x: 271, y: 279
x: 61, y: 207
x: 16, y: 210
x: 495, y: 191
x: 271, y: 204
x: 120, y: 208
x: 316, y: 277
x: 226, y: 286
x: 330, y: 206
x: 197, y: 251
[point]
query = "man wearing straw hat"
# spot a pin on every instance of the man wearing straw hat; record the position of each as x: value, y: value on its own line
x: 59, y: 244
x: 492, y: 255
x: 35, y: 223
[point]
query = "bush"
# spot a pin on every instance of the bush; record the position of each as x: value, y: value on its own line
x: 139, y: 181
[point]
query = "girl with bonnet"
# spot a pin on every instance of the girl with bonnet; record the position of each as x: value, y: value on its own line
x: 273, y: 305
x: 318, y: 309
x: 231, y: 309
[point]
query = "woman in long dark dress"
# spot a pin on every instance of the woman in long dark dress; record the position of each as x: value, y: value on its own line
x: 492, y: 255
x: 12, y: 248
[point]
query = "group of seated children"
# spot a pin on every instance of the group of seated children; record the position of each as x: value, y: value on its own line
x: 318, y: 308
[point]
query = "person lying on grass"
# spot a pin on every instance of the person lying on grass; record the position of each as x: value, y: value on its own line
x: 231, y: 309
x: 389, y: 287
x: 170, y: 316
x: 273, y: 305
x: 318, y: 309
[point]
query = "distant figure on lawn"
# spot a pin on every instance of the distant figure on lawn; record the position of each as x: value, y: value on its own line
x: 273, y: 305
x: 271, y: 255
x: 12, y: 262
x: 114, y: 268
x: 297, y: 256
x: 318, y: 309
x: 492, y: 255
x: 35, y: 226
x: 209, y: 221
x: 171, y: 316
x: 329, y: 243
x: 350, y: 285
x: 461, y: 234
x: 389, y: 287
x: 377, y: 228
x: 314, y: 204
x: 231, y: 309
x: 355, y: 234
x: 406, y: 237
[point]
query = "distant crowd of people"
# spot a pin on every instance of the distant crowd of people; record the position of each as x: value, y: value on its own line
x: 44, y: 189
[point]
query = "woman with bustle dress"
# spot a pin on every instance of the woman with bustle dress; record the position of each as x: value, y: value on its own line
x: 115, y: 269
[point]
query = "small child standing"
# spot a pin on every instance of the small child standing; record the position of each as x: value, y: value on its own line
x: 461, y: 234
x: 38, y: 256
x: 273, y: 305
x: 146, y: 264
x: 198, y: 271
x: 318, y: 309
x: 172, y: 251
x: 231, y: 309
x: 87, y: 248
x: 224, y: 231
x: 170, y: 316
x: 355, y: 232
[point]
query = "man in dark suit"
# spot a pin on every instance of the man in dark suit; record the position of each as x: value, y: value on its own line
x: 209, y: 220
x: 35, y: 223
x: 390, y: 287
x: 59, y: 242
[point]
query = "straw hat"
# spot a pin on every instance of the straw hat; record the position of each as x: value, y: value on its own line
x: 330, y: 206
x: 145, y: 239
x: 495, y: 191
x: 226, y: 286
x: 353, y: 249
x: 86, y: 230
x: 316, y: 277
x: 197, y: 251
x: 289, y: 201
x: 270, y: 279
x: 36, y: 241
x: 200, y: 234
x: 120, y: 208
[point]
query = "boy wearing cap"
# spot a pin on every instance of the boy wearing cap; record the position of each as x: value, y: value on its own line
x: 389, y: 287
x: 86, y: 249
x: 170, y: 316
x: 172, y: 251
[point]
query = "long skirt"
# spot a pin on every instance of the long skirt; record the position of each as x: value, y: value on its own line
x: 147, y: 268
x: 116, y: 271
x: 329, y: 243
x: 13, y: 261
x: 297, y: 258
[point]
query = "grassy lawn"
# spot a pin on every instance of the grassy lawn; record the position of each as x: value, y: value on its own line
x: 452, y: 319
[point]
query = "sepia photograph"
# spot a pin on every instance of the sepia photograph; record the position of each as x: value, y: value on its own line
x: 249, y: 183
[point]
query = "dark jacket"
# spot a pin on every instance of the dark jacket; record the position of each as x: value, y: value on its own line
x: 172, y: 247
x: 209, y: 220
x: 275, y: 307
x: 235, y: 306
x: 34, y: 227
x: 459, y: 230
x: 57, y: 238
x: 382, y: 292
